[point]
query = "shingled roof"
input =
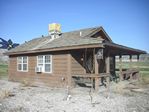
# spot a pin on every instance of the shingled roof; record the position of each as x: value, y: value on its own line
x: 68, y: 40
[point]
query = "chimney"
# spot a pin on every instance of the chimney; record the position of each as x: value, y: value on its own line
x: 54, y: 30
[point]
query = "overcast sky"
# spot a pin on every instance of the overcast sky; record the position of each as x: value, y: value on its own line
x: 126, y: 21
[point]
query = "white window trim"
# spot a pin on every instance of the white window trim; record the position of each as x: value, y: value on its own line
x: 44, y: 63
x: 22, y: 64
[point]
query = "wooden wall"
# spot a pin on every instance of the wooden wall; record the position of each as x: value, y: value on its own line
x: 77, y: 63
x: 59, y: 68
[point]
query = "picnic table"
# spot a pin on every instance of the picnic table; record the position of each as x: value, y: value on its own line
x: 130, y: 74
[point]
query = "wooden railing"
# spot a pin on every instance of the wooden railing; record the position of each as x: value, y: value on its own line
x: 96, y: 77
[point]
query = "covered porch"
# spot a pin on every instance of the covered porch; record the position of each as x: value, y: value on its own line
x: 99, y: 64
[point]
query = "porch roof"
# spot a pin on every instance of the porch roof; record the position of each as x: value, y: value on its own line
x: 116, y: 49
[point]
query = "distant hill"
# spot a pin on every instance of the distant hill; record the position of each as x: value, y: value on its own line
x: 3, y: 58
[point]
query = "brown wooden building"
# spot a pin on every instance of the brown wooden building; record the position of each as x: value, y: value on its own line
x: 56, y: 59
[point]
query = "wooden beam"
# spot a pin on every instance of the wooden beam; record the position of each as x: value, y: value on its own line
x: 84, y: 60
x: 114, y: 66
x: 96, y: 63
x: 108, y: 64
x: 93, y: 70
x: 108, y: 68
x: 130, y: 58
x: 108, y: 72
x: 130, y: 66
x: 91, y: 75
x: 120, y: 67
x: 69, y: 77
x: 138, y: 67
x: 97, y: 81
x: 138, y: 58
x: 96, y: 66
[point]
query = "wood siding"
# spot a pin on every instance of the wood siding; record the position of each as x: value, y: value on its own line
x: 54, y: 79
x: 77, y: 63
x: 64, y: 64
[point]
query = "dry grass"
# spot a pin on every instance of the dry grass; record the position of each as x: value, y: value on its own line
x: 128, y: 88
x: 145, y: 79
x: 5, y: 94
x: 120, y: 88
x: 25, y: 83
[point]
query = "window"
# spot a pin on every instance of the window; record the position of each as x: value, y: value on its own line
x: 22, y: 63
x: 45, y: 61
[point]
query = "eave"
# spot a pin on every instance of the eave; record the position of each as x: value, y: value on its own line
x: 55, y: 49
x: 117, y: 49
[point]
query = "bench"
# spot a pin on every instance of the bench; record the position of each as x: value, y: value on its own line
x: 130, y: 74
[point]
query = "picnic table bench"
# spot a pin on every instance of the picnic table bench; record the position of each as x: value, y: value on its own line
x: 130, y: 74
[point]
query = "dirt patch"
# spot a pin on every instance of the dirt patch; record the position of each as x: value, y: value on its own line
x: 45, y: 99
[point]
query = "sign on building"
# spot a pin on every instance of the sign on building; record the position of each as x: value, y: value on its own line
x: 99, y: 54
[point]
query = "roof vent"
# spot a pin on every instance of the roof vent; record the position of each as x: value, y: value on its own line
x: 54, y: 30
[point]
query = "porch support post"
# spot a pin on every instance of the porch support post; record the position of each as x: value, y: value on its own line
x: 69, y: 76
x: 108, y: 72
x: 84, y: 60
x: 108, y: 65
x: 139, y: 75
x: 97, y: 79
x: 130, y: 61
x: 138, y: 58
x: 114, y: 63
x: 130, y: 66
x: 113, y: 68
x: 120, y: 67
x: 96, y: 63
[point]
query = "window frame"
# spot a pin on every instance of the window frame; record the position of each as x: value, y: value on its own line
x: 44, y: 63
x: 22, y: 64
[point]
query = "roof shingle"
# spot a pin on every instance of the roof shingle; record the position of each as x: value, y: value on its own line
x: 71, y: 39
x: 67, y: 39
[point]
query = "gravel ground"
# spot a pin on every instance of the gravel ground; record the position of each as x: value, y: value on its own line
x: 44, y: 99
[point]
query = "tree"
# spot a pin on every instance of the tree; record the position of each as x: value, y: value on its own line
x: 7, y: 44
